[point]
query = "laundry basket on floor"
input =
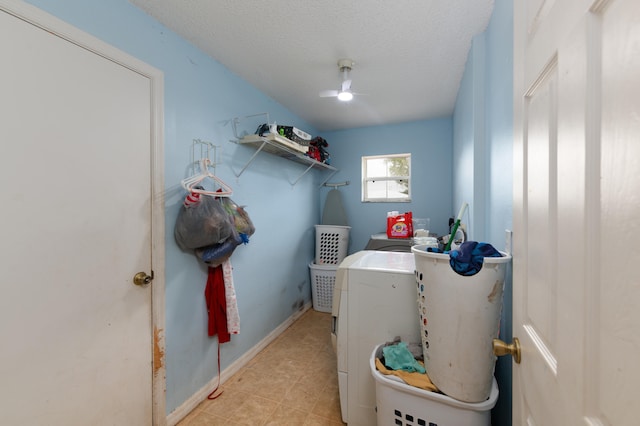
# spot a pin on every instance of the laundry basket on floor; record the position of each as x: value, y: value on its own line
x: 398, y: 403
x: 323, y: 280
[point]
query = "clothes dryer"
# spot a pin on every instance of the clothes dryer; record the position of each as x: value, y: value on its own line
x: 374, y: 301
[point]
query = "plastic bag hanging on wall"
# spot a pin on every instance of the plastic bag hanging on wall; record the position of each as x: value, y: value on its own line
x: 202, y: 223
x: 240, y: 218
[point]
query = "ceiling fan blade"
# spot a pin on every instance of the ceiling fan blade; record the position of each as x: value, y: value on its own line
x: 346, y: 85
x: 328, y: 93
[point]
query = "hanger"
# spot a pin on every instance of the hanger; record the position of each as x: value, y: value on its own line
x: 190, y: 182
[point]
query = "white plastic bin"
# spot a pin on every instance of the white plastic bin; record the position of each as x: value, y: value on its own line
x: 332, y: 242
x: 398, y: 403
x: 460, y: 317
x: 323, y: 281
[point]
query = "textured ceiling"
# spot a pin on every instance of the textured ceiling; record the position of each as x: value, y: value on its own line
x: 409, y: 54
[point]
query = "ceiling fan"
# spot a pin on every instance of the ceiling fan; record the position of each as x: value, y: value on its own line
x: 344, y: 94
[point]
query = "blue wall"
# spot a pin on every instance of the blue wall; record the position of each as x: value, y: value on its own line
x: 201, y: 96
x: 429, y: 143
x: 482, y: 161
x: 466, y: 158
x: 463, y: 147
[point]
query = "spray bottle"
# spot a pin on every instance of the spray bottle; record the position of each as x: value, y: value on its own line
x: 455, y: 226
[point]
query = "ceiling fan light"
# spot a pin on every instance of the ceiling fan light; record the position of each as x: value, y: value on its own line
x: 345, y: 96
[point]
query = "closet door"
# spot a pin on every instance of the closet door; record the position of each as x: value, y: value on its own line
x: 75, y: 166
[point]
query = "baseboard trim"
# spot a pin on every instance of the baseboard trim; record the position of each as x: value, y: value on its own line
x: 190, y: 404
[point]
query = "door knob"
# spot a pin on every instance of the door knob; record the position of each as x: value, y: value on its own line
x: 141, y: 278
x: 501, y: 348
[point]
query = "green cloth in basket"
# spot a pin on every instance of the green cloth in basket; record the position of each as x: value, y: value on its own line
x: 399, y: 357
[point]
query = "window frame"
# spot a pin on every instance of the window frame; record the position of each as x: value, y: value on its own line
x: 365, y: 198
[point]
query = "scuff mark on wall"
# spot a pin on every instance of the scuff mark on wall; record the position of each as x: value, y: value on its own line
x: 298, y: 305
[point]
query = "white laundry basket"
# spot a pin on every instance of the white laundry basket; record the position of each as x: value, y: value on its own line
x: 332, y: 242
x: 460, y: 317
x: 398, y: 403
x: 323, y: 281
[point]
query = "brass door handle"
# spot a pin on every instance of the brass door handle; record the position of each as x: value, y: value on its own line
x: 501, y: 348
x: 142, y: 279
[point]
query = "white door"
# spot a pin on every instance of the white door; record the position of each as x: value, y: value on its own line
x: 576, y: 212
x: 75, y: 164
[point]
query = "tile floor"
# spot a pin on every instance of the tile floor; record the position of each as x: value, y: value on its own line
x: 293, y: 381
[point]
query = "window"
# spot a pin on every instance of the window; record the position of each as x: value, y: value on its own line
x: 386, y: 178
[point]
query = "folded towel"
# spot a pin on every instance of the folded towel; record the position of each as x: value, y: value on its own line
x: 467, y: 260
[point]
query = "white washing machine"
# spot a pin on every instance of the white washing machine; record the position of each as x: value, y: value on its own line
x: 374, y: 301
x: 382, y: 242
